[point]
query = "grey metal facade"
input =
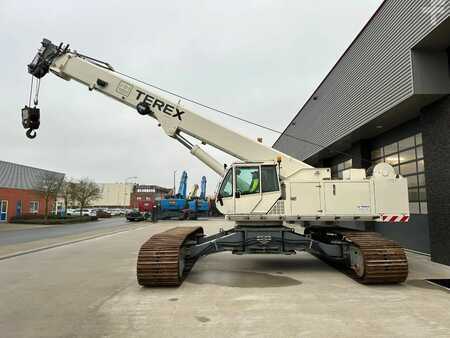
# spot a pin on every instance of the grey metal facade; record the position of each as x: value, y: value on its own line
x: 17, y: 176
x: 415, y: 234
x: 392, y: 84
x: 373, y: 76
x: 436, y: 131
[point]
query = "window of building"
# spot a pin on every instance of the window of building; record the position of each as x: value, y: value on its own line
x: 419, y: 152
x: 391, y: 148
x: 19, y: 208
x: 377, y: 153
x: 34, y: 207
x: 419, y: 139
x: 406, y: 143
x: 408, y: 168
x: 391, y: 159
x: 420, y: 166
x: 406, y: 156
x: 337, y: 169
x: 3, y: 210
x: 412, y: 181
x: 421, y: 178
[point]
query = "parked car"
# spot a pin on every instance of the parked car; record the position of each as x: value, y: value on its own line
x: 116, y: 212
x: 86, y: 212
x: 102, y: 213
x: 70, y: 212
x: 135, y: 216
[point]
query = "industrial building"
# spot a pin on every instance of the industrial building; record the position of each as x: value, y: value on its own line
x: 127, y: 195
x: 144, y: 192
x: 114, y: 195
x: 387, y: 99
x: 17, y: 190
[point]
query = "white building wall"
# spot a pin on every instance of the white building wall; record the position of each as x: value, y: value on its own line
x: 114, y: 195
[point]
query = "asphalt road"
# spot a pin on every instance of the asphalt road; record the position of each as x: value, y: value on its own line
x: 29, y: 235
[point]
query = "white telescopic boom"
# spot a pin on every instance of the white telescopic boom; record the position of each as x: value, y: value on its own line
x: 172, y: 117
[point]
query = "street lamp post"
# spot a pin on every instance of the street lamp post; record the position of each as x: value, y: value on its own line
x: 174, y: 173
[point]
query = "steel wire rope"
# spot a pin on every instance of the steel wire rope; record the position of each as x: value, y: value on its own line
x: 235, y: 116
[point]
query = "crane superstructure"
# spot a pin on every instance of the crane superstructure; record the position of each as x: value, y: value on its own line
x: 262, y: 192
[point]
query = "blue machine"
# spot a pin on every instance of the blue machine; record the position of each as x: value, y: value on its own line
x: 203, y: 188
x: 174, y: 205
x: 182, y: 207
x: 199, y: 206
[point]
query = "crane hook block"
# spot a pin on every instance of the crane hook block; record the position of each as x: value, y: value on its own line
x: 31, y: 120
x: 31, y: 133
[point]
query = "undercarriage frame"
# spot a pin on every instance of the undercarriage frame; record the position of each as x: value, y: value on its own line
x: 250, y: 239
x: 166, y: 258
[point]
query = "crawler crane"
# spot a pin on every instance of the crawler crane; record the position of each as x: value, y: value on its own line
x: 262, y: 192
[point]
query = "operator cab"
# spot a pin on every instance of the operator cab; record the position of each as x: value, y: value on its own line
x: 249, y: 188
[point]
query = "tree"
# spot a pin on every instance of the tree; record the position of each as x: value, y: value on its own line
x: 67, y: 192
x: 48, y: 185
x: 84, y: 192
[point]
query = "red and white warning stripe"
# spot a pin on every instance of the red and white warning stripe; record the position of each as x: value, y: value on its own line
x: 395, y: 218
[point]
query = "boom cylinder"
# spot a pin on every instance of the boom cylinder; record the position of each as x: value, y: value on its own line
x: 208, y: 159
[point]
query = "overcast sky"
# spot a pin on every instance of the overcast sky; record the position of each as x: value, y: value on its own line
x: 260, y: 60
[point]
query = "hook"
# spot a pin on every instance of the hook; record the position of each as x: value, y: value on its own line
x: 31, y: 133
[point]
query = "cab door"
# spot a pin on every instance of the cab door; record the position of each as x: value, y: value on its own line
x: 247, y: 194
x: 270, y: 190
x: 225, y: 196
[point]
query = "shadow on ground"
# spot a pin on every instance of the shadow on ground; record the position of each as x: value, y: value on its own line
x: 240, y: 279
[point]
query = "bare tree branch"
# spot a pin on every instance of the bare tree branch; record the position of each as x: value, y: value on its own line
x: 48, y: 185
x: 84, y: 192
x: 68, y: 193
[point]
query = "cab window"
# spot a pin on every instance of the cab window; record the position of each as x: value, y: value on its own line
x: 269, y: 178
x: 247, y: 180
x: 226, y: 190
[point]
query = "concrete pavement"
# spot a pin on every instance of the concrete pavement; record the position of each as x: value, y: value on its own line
x: 88, y: 289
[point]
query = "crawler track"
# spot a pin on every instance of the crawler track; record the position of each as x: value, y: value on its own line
x: 161, y: 260
x: 384, y: 260
x: 369, y: 258
x: 375, y: 260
